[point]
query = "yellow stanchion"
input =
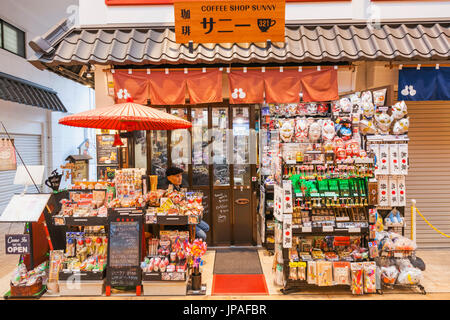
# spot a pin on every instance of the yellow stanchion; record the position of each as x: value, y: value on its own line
x: 433, y: 227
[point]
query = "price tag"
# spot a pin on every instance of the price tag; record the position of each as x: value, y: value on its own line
x: 293, y: 264
x: 301, y: 264
x: 306, y: 229
x: 354, y: 230
x: 327, y: 228
x: 291, y: 162
x: 398, y: 254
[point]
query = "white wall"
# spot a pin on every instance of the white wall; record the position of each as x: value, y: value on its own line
x: 35, y: 18
x: 95, y: 12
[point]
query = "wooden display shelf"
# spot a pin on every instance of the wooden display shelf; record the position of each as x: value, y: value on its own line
x: 80, y: 221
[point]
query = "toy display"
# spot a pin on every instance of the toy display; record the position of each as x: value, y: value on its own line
x: 27, y: 283
x: 85, y: 252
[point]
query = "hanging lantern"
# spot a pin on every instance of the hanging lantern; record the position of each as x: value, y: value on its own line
x: 117, y: 140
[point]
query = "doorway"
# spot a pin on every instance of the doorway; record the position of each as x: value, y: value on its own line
x: 217, y: 157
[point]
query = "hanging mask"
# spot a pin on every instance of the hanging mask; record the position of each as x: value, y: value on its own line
x: 338, y: 143
x: 287, y: 130
x: 312, y: 108
x: 322, y: 108
x: 301, y: 129
x: 335, y: 106
x: 367, y: 127
x: 401, y: 126
x: 399, y: 110
x: 314, y: 131
x: 383, y: 121
x: 328, y: 131
x: 346, y: 105
x: 292, y: 109
x: 366, y: 97
x: 302, y: 109
x: 355, y: 98
x: 368, y: 109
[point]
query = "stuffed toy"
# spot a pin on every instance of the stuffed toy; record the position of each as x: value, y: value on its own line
x: 368, y: 109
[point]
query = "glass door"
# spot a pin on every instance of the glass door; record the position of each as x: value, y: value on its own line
x: 180, y: 146
x: 221, y: 183
x: 242, y: 195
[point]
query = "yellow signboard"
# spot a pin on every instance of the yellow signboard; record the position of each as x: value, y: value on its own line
x: 229, y: 21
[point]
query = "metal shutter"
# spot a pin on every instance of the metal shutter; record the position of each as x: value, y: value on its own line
x: 30, y: 149
x: 428, y: 180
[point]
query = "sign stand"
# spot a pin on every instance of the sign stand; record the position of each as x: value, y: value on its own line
x: 124, y: 249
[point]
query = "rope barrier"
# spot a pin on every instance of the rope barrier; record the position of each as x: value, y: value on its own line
x: 433, y: 227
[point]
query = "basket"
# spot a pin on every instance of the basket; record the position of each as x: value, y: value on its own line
x: 26, y: 291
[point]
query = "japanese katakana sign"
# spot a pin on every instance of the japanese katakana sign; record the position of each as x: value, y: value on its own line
x: 229, y: 21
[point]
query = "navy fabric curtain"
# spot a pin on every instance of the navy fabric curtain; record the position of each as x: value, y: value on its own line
x: 426, y: 84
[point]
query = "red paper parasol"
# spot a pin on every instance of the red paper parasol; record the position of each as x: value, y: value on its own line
x: 126, y: 116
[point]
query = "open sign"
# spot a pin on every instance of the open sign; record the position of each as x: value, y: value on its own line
x: 17, y: 243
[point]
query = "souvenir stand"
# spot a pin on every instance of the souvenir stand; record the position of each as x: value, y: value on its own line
x: 329, y: 231
x: 107, y: 244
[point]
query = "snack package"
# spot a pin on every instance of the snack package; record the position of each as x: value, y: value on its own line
x: 370, y: 277
x: 379, y: 97
x: 393, y: 192
x: 341, y: 273
x: 324, y: 273
x: 373, y: 249
x: 383, y: 122
x: 301, y: 130
x: 394, y: 161
x: 401, y: 184
x: 312, y: 272
x: 293, y: 273
x: 357, y: 277
x: 409, y: 276
x: 383, y: 160
x: 301, y: 271
x: 401, y: 126
x: 389, y: 274
x: 399, y: 110
x: 403, y: 154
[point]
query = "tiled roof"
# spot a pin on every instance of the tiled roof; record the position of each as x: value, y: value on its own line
x: 304, y: 43
x: 22, y: 91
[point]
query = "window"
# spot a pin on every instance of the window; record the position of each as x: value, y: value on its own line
x: 12, y: 39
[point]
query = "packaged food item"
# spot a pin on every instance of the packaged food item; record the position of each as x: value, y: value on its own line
x: 324, y: 273
x: 379, y: 97
x: 293, y: 273
x: 370, y: 277
x: 389, y: 274
x: 312, y: 272
x: 357, y: 278
x: 341, y: 273
x: 301, y: 271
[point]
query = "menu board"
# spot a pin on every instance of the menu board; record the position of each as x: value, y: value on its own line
x: 124, y: 251
x: 222, y: 206
x: 124, y: 244
x: 106, y: 153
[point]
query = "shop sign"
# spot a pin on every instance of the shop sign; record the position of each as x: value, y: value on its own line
x: 157, y: 2
x: 7, y: 155
x: 229, y: 21
x: 17, y: 244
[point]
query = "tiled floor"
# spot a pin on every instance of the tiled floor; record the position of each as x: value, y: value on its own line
x: 436, y: 278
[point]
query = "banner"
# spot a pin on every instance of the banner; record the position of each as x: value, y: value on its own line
x: 229, y: 21
x: 424, y: 84
x: 7, y: 155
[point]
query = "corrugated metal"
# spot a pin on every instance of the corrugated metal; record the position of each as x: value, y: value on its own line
x: 303, y: 43
x: 428, y: 180
x: 30, y: 149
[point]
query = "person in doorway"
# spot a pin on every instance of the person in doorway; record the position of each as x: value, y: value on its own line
x: 174, y: 177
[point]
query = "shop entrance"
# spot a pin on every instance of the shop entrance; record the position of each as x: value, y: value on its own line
x: 217, y: 157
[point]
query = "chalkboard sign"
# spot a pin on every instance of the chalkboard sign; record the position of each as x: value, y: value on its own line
x: 124, y: 249
x: 222, y: 206
x: 124, y: 244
